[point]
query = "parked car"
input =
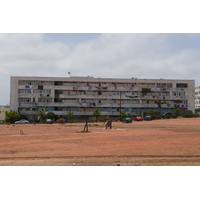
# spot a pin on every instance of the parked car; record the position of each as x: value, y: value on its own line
x: 138, y: 118
x: 167, y: 113
x: 127, y: 120
x: 148, y: 118
x: 22, y: 121
x: 49, y: 121
x: 61, y: 120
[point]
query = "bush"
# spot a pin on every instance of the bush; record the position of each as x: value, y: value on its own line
x: 187, y: 115
x: 197, y: 110
x: 102, y: 118
x: 157, y: 116
x: 174, y: 116
x: 166, y: 117
x: 154, y: 116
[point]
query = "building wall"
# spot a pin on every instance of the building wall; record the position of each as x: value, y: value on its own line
x: 197, y: 96
x: 3, y: 111
x: 82, y: 95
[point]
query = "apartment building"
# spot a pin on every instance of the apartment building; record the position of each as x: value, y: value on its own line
x: 81, y: 95
x: 197, y: 96
x: 3, y: 111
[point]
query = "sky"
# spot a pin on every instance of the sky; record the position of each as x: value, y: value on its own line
x: 105, y: 55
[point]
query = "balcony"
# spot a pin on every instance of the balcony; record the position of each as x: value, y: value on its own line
x: 24, y: 95
x: 95, y: 96
x: 28, y: 112
x: 66, y: 104
x: 27, y: 104
x: 63, y: 87
x: 86, y: 113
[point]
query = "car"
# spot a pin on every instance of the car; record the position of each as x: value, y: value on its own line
x: 49, y: 121
x: 138, y: 118
x: 148, y: 118
x: 22, y: 121
x: 167, y: 113
x: 127, y: 120
x: 61, y: 120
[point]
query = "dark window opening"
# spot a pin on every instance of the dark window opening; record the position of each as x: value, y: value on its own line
x: 181, y: 85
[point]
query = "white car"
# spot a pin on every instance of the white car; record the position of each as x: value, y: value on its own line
x: 49, y: 121
x: 22, y: 121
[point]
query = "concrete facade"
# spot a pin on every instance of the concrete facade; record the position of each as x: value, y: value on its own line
x: 82, y: 95
x: 197, y: 96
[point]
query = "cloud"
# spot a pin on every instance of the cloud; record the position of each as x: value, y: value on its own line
x: 134, y: 55
x: 108, y: 55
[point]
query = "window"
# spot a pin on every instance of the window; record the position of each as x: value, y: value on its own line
x: 178, y: 93
x: 42, y: 91
x: 24, y: 91
x: 44, y: 100
x: 24, y: 100
x: 40, y: 87
x: 181, y: 85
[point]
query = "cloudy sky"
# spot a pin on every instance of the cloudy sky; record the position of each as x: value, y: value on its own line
x: 169, y: 56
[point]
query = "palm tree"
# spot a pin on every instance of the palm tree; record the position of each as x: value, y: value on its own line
x: 96, y: 113
x: 150, y: 112
x: 123, y: 115
x: 42, y: 114
x: 70, y: 115
x: 12, y: 117
x: 177, y: 112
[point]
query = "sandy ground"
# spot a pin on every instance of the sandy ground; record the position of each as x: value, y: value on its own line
x: 173, y: 142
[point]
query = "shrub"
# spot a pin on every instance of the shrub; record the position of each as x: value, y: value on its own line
x: 154, y: 116
x: 157, y: 116
x: 187, y: 115
x: 166, y: 117
x: 102, y: 118
x: 174, y: 116
x: 196, y: 115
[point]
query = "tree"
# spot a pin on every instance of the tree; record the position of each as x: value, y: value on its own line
x: 12, y: 117
x: 50, y: 115
x: 176, y: 112
x: 150, y: 112
x: 96, y: 113
x: 42, y: 114
x: 70, y: 115
x: 123, y: 115
x: 21, y: 116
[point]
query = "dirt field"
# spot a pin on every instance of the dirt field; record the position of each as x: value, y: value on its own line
x: 173, y: 142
